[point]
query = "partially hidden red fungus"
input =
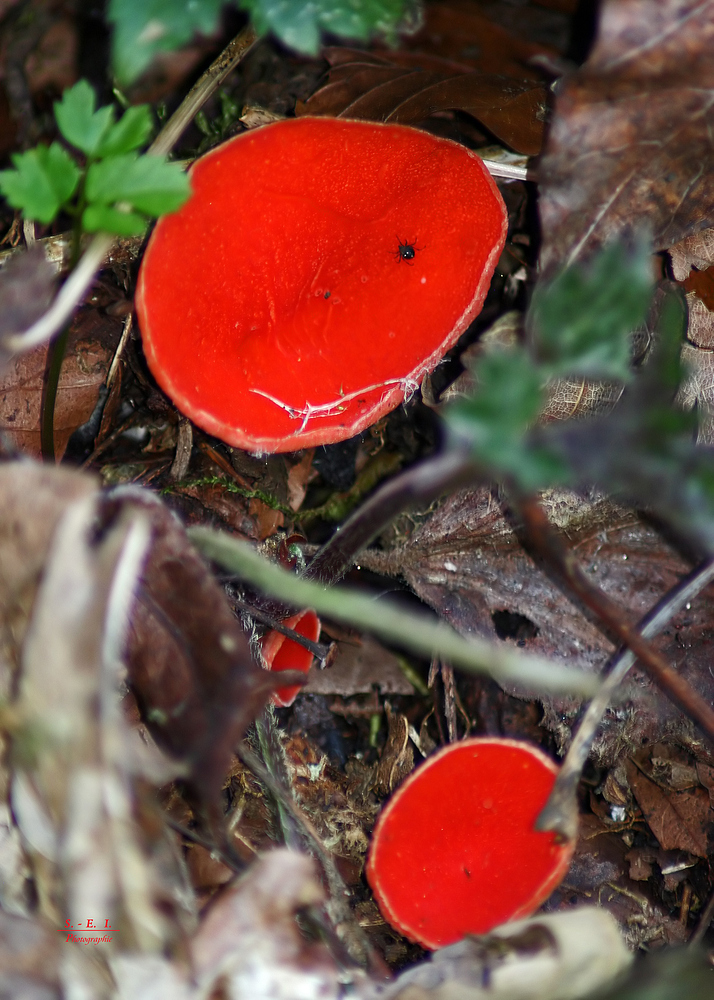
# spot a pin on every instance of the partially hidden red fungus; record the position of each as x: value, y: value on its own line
x: 454, y: 851
x: 319, y: 270
x: 282, y: 653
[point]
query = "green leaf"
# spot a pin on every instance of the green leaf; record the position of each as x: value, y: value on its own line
x: 131, y: 131
x: 78, y: 122
x: 494, y: 421
x: 581, y: 321
x: 147, y: 183
x: 41, y: 183
x: 143, y: 28
x: 300, y: 24
x: 102, y: 218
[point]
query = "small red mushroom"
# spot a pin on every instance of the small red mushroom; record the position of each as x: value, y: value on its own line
x: 319, y: 270
x: 281, y: 653
x: 454, y: 851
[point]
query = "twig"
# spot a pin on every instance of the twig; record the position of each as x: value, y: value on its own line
x: 561, y: 810
x: 410, y: 630
x: 551, y: 545
x: 109, y: 440
x: 197, y: 96
x: 123, y: 340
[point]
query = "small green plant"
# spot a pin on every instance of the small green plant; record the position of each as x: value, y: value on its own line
x: 112, y: 188
x: 579, y: 327
x: 102, y: 182
x: 644, y: 450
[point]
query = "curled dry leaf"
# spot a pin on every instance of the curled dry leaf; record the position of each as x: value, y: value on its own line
x: 630, y: 143
x: 72, y: 787
x: 249, y: 946
x: 189, y: 661
x: 33, y: 498
x: 406, y: 88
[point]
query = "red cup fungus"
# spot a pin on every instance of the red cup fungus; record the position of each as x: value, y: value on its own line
x: 281, y: 653
x: 319, y: 270
x: 454, y: 851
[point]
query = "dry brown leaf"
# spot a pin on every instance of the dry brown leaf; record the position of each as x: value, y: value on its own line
x: 680, y: 820
x: 630, y: 144
x: 458, y: 30
x: 512, y: 109
x: 73, y: 796
x: 33, y: 498
x: 697, y: 387
x: 92, y: 342
x: 189, y: 662
x: 466, y: 561
x: 566, y: 398
x: 358, y: 669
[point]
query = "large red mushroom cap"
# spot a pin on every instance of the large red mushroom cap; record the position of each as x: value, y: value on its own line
x: 454, y: 851
x: 320, y: 268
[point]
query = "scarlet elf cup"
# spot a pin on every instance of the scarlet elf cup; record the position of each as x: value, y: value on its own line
x: 319, y: 270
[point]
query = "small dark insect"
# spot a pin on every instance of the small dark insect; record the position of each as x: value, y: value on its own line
x: 406, y: 251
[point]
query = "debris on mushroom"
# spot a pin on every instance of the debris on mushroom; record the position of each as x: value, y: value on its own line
x: 455, y: 852
x: 281, y: 653
x: 320, y: 269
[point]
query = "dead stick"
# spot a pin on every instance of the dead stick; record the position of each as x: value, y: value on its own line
x: 552, y: 547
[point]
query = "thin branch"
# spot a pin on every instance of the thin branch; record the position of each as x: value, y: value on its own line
x: 204, y: 88
x: 561, y: 810
x: 413, y: 631
x: 316, y: 648
x: 552, y: 546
